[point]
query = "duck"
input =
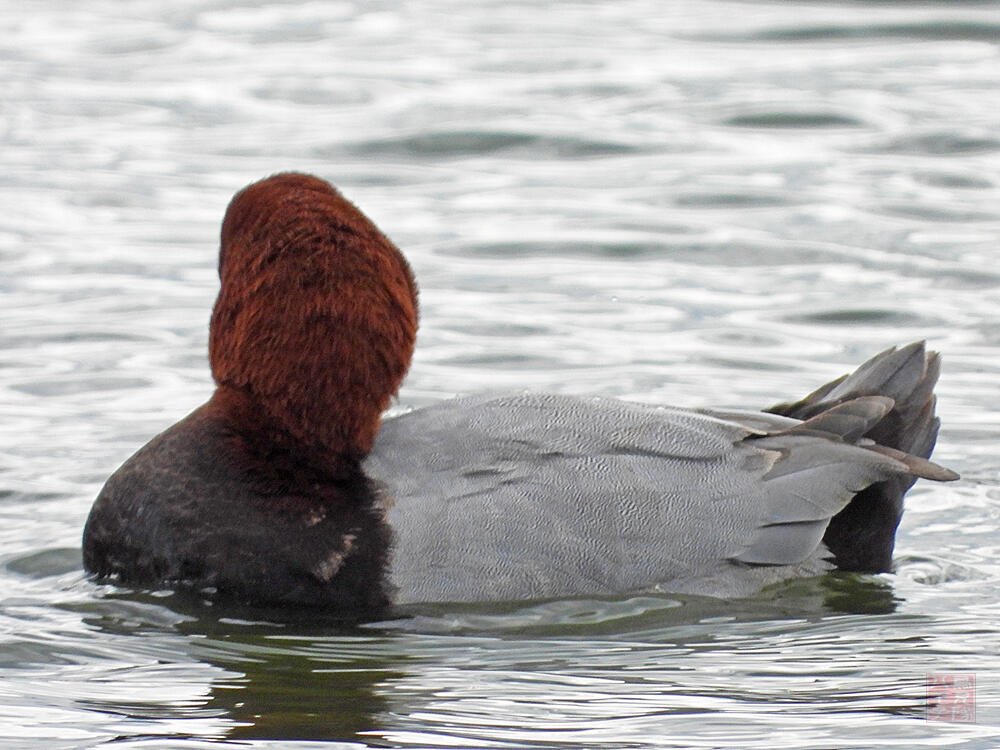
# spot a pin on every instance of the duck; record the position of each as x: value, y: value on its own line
x: 290, y: 488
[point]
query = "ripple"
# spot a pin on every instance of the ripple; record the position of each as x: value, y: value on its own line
x: 309, y: 94
x: 864, y: 316
x: 938, y: 30
x: 451, y: 144
x: 793, y: 119
x: 744, y: 365
x: 500, y: 329
x: 942, y: 143
x: 549, y: 249
x: 502, y: 361
x: 741, y: 254
x: 727, y: 200
x: 955, y: 180
x: 942, y: 213
x: 933, y: 571
x: 46, y: 563
x: 72, y: 386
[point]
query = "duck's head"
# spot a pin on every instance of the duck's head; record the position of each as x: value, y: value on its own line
x: 316, y: 320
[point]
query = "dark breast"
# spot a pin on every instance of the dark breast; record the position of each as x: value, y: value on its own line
x: 194, y: 508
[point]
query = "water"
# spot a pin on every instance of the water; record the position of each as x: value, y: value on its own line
x: 713, y: 203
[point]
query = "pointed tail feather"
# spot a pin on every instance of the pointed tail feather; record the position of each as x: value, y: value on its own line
x: 862, y: 536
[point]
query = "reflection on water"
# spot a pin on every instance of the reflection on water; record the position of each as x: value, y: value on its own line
x: 716, y: 204
x: 294, y: 675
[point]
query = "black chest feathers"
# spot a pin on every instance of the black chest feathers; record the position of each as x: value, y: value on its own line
x: 258, y: 531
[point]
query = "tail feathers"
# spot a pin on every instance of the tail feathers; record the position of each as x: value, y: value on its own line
x: 852, y: 421
x: 862, y: 536
x: 923, y: 435
x: 823, y: 464
x: 918, y: 467
x: 849, y: 420
x: 906, y: 375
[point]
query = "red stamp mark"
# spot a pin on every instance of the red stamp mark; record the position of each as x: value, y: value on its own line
x: 951, y: 697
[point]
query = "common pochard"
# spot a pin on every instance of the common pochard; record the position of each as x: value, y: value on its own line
x: 287, y: 487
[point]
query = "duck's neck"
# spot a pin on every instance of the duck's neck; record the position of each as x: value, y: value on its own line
x: 272, y: 443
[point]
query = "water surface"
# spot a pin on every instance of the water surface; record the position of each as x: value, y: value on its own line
x: 714, y: 203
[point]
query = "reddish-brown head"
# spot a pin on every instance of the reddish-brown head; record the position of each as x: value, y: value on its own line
x: 317, y: 316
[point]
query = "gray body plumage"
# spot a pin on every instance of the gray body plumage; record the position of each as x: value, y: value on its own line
x: 534, y: 496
